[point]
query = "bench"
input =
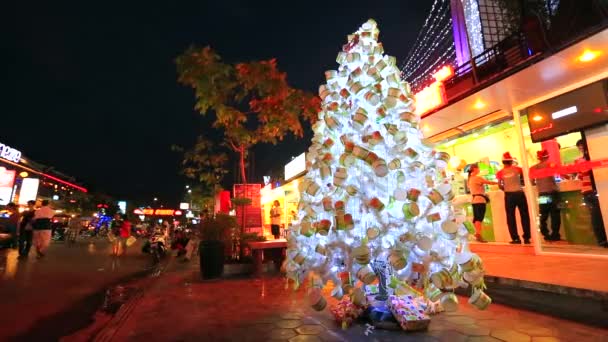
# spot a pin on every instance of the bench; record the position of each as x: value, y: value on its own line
x: 275, y: 250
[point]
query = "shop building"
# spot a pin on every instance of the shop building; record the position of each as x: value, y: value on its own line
x: 22, y: 179
x: 523, y: 103
x: 287, y: 194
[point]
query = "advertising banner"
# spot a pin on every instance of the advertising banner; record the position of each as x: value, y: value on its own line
x: 29, y: 190
x: 7, y: 180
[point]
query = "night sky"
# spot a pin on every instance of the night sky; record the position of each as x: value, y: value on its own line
x: 90, y: 87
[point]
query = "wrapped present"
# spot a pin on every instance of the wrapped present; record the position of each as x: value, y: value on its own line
x: 409, y: 313
x: 345, y: 312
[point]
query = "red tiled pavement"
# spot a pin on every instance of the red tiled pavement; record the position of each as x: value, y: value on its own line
x: 180, y: 307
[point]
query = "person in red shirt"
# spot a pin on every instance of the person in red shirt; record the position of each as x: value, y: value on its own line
x: 511, y: 180
x: 125, y: 233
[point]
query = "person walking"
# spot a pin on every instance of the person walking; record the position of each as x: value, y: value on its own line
x: 13, y: 224
x: 26, y: 229
x: 548, y: 198
x: 479, y: 198
x: 511, y: 181
x: 275, y: 219
x: 590, y: 197
x: 42, y: 228
x: 116, y: 225
x: 124, y: 234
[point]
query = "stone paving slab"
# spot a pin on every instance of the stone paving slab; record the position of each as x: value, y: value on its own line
x: 182, y: 308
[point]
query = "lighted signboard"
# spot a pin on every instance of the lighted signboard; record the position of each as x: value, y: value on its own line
x: 7, y: 179
x: 29, y: 190
x: 184, y: 206
x: 9, y: 153
x: 433, y: 96
x: 157, y: 212
x: 295, y: 167
x: 122, y: 205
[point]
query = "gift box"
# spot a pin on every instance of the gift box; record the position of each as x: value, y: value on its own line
x: 345, y: 312
x: 409, y: 313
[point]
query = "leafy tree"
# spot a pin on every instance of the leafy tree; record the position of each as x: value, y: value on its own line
x: 204, y: 163
x: 252, y: 102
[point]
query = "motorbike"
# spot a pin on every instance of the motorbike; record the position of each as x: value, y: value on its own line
x: 156, y: 246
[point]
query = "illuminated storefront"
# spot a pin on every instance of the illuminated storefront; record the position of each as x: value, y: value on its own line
x: 287, y: 194
x: 547, y: 106
x: 22, y: 179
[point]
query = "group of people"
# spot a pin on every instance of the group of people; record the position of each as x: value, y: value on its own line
x: 511, y: 181
x: 32, y: 227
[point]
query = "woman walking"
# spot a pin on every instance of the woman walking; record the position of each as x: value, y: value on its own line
x: 479, y: 198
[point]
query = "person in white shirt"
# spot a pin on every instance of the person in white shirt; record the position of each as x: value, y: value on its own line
x: 275, y: 219
x: 42, y: 228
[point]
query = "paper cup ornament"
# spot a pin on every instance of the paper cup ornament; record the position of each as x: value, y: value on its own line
x: 366, y: 275
x: 339, y: 206
x: 316, y: 300
x: 358, y: 296
x: 361, y: 254
x: 325, y: 171
x: 432, y: 293
x: 351, y: 190
x: 381, y: 110
x: 380, y: 168
x: 480, y: 300
x: 331, y: 74
x: 360, y: 117
x: 332, y: 123
x: 372, y: 233
x: 321, y: 249
x: 394, y: 164
x: 306, y: 229
x: 353, y: 57
x: 442, y: 159
x: 328, y: 143
x: 323, y: 92
x: 434, y: 217
x: 409, y: 117
x: 347, y: 159
x: 356, y: 87
x: 450, y: 229
x: 327, y: 204
x: 424, y: 243
x: 397, y: 260
x: 340, y: 176
x: 413, y: 194
x: 391, y: 129
x: 467, y: 262
x: 356, y: 73
x: 372, y: 98
x: 442, y: 279
x: 376, y: 204
x: 410, y: 153
x: 410, y: 210
x: 348, y: 222
x: 371, y: 158
x: 435, y: 196
x: 400, y: 194
x: 449, y: 302
x: 400, y: 138
x: 324, y: 226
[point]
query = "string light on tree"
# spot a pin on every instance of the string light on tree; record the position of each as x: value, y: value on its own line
x: 375, y: 203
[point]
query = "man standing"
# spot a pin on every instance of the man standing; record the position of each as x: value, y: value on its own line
x: 42, y: 228
x: 548, y: 197
x: 590, y: 197
x: 26, y: 230
x: 511, y: 180
x: 275, y: 219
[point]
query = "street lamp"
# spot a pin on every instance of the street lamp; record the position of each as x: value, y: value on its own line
x: 187, y: 186
x: 189, y: 191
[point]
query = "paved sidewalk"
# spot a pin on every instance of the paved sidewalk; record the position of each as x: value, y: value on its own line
x: 583, y: 273
x: 43, y: 299
x: 180, y: 307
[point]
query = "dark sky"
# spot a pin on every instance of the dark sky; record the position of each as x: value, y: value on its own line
x: 90, y: 87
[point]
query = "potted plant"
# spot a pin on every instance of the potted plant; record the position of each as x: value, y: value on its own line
x: 211, y: 247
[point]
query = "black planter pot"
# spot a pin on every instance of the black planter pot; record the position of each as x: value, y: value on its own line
x: 211, y: 254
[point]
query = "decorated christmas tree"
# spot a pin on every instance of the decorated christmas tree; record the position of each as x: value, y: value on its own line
x: 375, y: 213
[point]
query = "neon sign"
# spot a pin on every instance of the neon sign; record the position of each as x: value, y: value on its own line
x: 9, y: 153
x: 157, y: 212
x: 433, y: 96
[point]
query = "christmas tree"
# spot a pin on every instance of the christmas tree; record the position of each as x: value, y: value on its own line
x: 375, y: 212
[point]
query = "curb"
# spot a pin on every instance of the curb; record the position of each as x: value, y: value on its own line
x: 111, y: 328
